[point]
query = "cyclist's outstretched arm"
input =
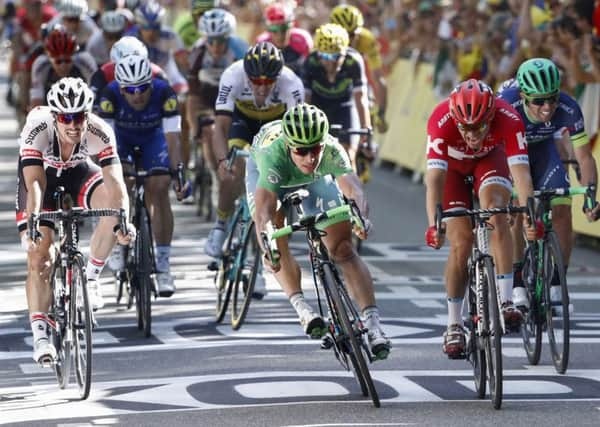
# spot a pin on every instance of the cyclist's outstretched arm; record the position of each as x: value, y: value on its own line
x: 112, y: 176
x: 35, y: 182
x: 434, y: 183
x: 362, y: 107
x: 522, y: 179
x: 587, y: 164
x: 352, y: 188
x: 222, y: 126
x: 265, y: 208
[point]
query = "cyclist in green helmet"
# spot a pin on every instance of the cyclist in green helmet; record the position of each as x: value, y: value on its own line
x: 554, y: 131
x: 295, y: 152
x: 186, y: 24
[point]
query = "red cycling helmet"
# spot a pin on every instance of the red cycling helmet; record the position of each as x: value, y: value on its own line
x: 472, y: 102
x: 277, y: 14
x: 59, y: 42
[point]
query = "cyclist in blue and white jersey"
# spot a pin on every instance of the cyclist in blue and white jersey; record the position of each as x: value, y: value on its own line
x: 554, y: 128
x: 144, y: 112
x: 209, y: 58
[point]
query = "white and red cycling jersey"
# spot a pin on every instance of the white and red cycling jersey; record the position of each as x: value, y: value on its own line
x: 295, y: 52
x: 505, y: 145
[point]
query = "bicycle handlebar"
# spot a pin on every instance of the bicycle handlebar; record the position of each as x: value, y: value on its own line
x: 233, y: 154
x: 482, y: 213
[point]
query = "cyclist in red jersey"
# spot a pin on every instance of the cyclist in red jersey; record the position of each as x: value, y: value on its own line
x: 474, y: 134
x: 294, y: 43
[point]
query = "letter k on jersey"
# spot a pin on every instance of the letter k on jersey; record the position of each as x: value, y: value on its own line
x: 434, y: 145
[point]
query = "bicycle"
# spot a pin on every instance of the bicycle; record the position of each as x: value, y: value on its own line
x: 346, y: 333
x: 543, y: 267
x: 240, y: 263
x: 139, y: 276
x: 484, y: 324
x: 70, y: 314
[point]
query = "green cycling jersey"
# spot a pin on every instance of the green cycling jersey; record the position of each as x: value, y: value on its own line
x: 277, y: 170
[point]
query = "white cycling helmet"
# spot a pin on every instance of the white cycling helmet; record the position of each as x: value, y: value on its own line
x: 150, y: 13
x: 112, y: 21
x: 70, y: 95
x: 126, y: 46
x: 133, y: 70
x: 73, y: 8
x: 216, y: 22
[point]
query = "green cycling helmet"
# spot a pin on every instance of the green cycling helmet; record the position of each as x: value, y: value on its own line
x: 304, y: 125
x: 538, y: 76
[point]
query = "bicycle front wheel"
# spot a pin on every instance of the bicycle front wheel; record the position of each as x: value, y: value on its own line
x: 81, y: 318
x: 249, y: 265
x: 58, y: 333
x: 143, y: 274
x: 357, y: 357
x: 225, y: 278
x: 557, y: 312
x: 531, y: 329
x: 493, y: 338
x: 476, y: 350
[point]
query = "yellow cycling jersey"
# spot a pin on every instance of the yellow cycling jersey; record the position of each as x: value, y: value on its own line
x: 367, y: 45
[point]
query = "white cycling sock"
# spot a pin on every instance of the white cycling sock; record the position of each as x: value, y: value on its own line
x: 39, y: 325
x: 370, y: 316
x: 455, y: 311
x: 163, y: 253
x: 505, y: 285
x: 94, y: 268
x: 298, y: 302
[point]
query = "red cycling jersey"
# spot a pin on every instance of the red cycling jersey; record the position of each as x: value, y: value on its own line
x: 505, y: 145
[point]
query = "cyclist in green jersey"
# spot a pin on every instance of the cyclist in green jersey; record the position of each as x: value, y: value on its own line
x: 186, y: 24
x: 294, y: 152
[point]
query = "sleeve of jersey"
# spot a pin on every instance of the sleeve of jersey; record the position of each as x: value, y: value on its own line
x: 437, y: 148
x: 360, y: 76
x: 269, y: 177
x: 296, y: 92
x: 30, y: 142
x: 106, y: 104
x: 340, y: 161
x: 577, y: 128
x: 516, y: 143
x: 225, y: 102
x: 103, y: 143
x: 170, y: 107
x: 38, y: 74
x: 87, y: 65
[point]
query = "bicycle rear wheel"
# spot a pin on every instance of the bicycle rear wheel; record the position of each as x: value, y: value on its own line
x: 203, y: 189
x: 357, y: 357
x: 225, y: 277
x: 557, y: 313
x: 493, y: 339
x: 249, y: 264
x: 142, y: 275
x: 58, y: 333
x: 81, y: 318
x: 531, y: 329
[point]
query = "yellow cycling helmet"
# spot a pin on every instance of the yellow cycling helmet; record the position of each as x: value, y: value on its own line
x: 331, y: 38
x: 348, y: 17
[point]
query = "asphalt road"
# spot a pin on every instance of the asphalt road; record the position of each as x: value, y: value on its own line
x: 194, y: 372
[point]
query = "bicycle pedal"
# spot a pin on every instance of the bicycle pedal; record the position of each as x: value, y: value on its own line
x: 213, y: 266
x: 327, y: 342
x: 46, y: 362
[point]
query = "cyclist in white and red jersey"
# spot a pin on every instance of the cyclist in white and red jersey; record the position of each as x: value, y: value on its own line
x: 294, y: 43
x: 60, y: 60
x: 473, y: 134
x: 55, y: 148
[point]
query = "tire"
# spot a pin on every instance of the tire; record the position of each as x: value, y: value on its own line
x: 225, y: 278
x: 531, y: 329
x: 249, y: 261
x: 203, y: 190
x: 81, y: 317
x: 493, y: 340
x: 357, y: 358
x: 476, y: 351
x: 58, y: 335
x: 142, y: 276
x: 558, y: 324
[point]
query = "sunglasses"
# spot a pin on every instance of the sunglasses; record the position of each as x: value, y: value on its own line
x: 478, y: 128
x: 304, y: 151
x: 132, y: 90
x: 217, y: 40
x: 539, y: 101
x: 261, y: 81
x: 60, y: 61
x: 329, y: 56
x: 68, y: 118
x: 279, y: 28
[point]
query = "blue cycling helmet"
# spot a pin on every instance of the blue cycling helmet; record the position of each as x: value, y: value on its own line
x: 150, y: 14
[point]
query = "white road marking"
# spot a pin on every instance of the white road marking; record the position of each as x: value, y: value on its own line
x: 290, y: 389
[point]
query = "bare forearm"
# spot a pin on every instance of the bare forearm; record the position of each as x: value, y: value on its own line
x: 362, y: 107
x: 589, y: 172
x: 434, y: 181
x: 174, y: 148
x: 352, y: 189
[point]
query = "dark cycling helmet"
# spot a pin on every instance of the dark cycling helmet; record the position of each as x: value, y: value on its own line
x: 304, y: 125
x: 60, y: 42
x: 348, y: 17
x: 538, y: 76
x: 472, y: 102
x: 263, y: 60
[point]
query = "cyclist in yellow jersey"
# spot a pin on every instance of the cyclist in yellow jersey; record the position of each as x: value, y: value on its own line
x: 363, y: 40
